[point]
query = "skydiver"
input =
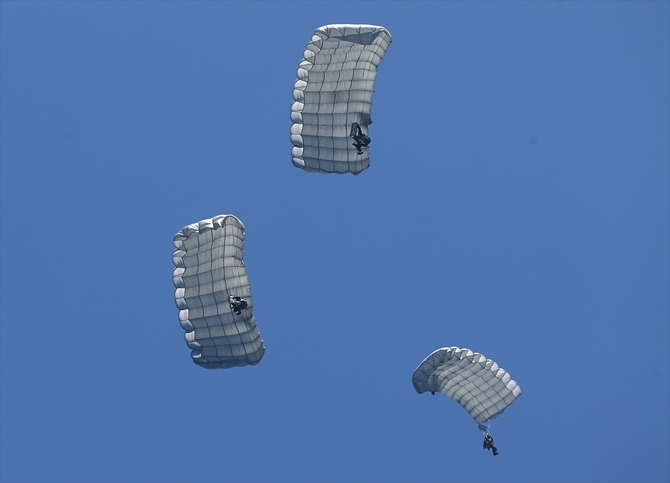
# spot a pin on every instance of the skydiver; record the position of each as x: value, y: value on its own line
x: 489, y: 445
x: 237, y: 304
x: 360, y: 139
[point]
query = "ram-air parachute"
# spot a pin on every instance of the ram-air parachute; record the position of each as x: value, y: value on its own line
x: 209, y: 269
x: 333, y: 91
x: 473, y: 381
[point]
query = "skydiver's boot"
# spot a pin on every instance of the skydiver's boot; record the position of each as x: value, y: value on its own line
x: 495, y: 451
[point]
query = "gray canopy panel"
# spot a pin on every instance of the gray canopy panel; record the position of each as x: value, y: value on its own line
x: 473, y: 381
x: 334, y: 90
x: 209, y: 268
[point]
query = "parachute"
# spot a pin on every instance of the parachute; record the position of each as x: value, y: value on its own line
x: 209, y: 269
x: 482, y: 388
x: 334, y: 90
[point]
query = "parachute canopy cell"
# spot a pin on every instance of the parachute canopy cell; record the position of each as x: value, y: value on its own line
x: 209, y: 268
x: 334, y: 89
x: 482, y: 388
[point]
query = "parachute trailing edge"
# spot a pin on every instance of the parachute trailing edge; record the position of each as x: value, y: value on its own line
x: 482, y: 388
x: 209, y: 274
x: 334, y: 91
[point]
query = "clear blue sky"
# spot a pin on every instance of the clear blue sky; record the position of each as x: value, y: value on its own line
x: 519, y: 188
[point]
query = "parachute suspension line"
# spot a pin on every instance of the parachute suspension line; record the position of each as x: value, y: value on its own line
x: 229, y: 290
x: 238, y: 270
x: 439, y: 400
x: 223, y: 267
x: 238, y: 280
x: 444, y: 402
x: 197, y: 258
x: 223, y: 273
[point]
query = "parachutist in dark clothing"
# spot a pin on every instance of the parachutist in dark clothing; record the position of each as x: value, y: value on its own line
x: 488, y: 444
x: 360, y: 139
x: 237, y: 304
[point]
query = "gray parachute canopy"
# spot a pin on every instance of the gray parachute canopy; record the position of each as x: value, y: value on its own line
x: 209, y: 268
x: 334, y: 90
x: 469, y: 378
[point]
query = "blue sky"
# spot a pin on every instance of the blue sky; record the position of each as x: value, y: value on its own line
x: 518, y: 188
